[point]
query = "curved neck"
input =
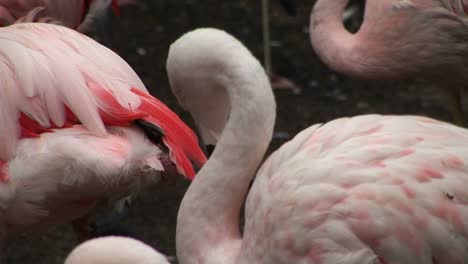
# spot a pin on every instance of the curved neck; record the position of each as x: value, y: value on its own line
x: 208, y: 220
x: 331, y: 41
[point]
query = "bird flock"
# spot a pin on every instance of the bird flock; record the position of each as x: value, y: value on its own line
x: 81, y: 134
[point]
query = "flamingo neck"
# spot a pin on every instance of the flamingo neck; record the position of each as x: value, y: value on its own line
x: 208, y: 220
x: 333, y: 44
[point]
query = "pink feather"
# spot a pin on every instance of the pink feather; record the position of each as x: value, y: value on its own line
x: 68, y: 107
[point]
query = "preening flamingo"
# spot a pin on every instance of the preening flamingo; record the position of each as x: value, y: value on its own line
x: 78, y: 127
x: 360, y: 190
x: 397, y: 40
x: 115, y: 250
x: 76, y: 14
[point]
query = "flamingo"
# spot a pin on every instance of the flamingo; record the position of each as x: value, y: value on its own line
x: 398, y: 40
x: 77, y: 14
x: 370, y: 189
x: 115, y: 250
x: 78, y: 128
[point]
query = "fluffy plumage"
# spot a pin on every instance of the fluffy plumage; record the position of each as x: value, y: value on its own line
x: 367, y: 189
x: 72, y: 113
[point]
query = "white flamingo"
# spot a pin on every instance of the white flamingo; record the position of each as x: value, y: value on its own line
x: 370, y: 189
x: 115, y: 250
x: 78, y: 127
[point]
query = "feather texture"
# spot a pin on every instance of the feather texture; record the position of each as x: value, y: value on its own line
x: 67, y: 108
x: 367, y: 189
x: 67, y: 79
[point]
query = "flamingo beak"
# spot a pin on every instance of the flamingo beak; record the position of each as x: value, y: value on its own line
x: 115, y: 7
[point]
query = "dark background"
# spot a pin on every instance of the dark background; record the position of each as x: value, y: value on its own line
x: 142, y: 36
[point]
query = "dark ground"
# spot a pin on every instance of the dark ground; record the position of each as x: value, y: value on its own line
x: 142, y: 36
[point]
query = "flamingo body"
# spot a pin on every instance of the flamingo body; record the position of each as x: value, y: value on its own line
x: 78, y: 127
x: 370, y: 189
x: 367, y: 189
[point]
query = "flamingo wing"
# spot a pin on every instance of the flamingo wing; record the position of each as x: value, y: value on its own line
x: 54, y: 77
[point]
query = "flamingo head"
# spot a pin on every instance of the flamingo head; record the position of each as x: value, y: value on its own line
x: 198, y: 85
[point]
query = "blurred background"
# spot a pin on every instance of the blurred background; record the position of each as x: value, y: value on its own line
x: 142, y: 35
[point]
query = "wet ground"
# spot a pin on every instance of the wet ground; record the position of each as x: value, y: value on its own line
x: 142, y: 36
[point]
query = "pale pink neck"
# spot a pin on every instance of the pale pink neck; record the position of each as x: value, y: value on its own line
x: 208, y: 221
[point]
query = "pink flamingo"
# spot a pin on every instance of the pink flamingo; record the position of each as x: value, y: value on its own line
x: 397, y: 40
x: 76, y: 14
x: 115, y: 250
x: 78, y: 127
x: 370, y: 189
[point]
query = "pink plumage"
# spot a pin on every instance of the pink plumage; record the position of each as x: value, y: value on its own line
x: 398, y: 40
x: 369, y: 189
x: 72, y: 113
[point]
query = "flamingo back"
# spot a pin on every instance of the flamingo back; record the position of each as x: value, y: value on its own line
x: 368, y: 189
